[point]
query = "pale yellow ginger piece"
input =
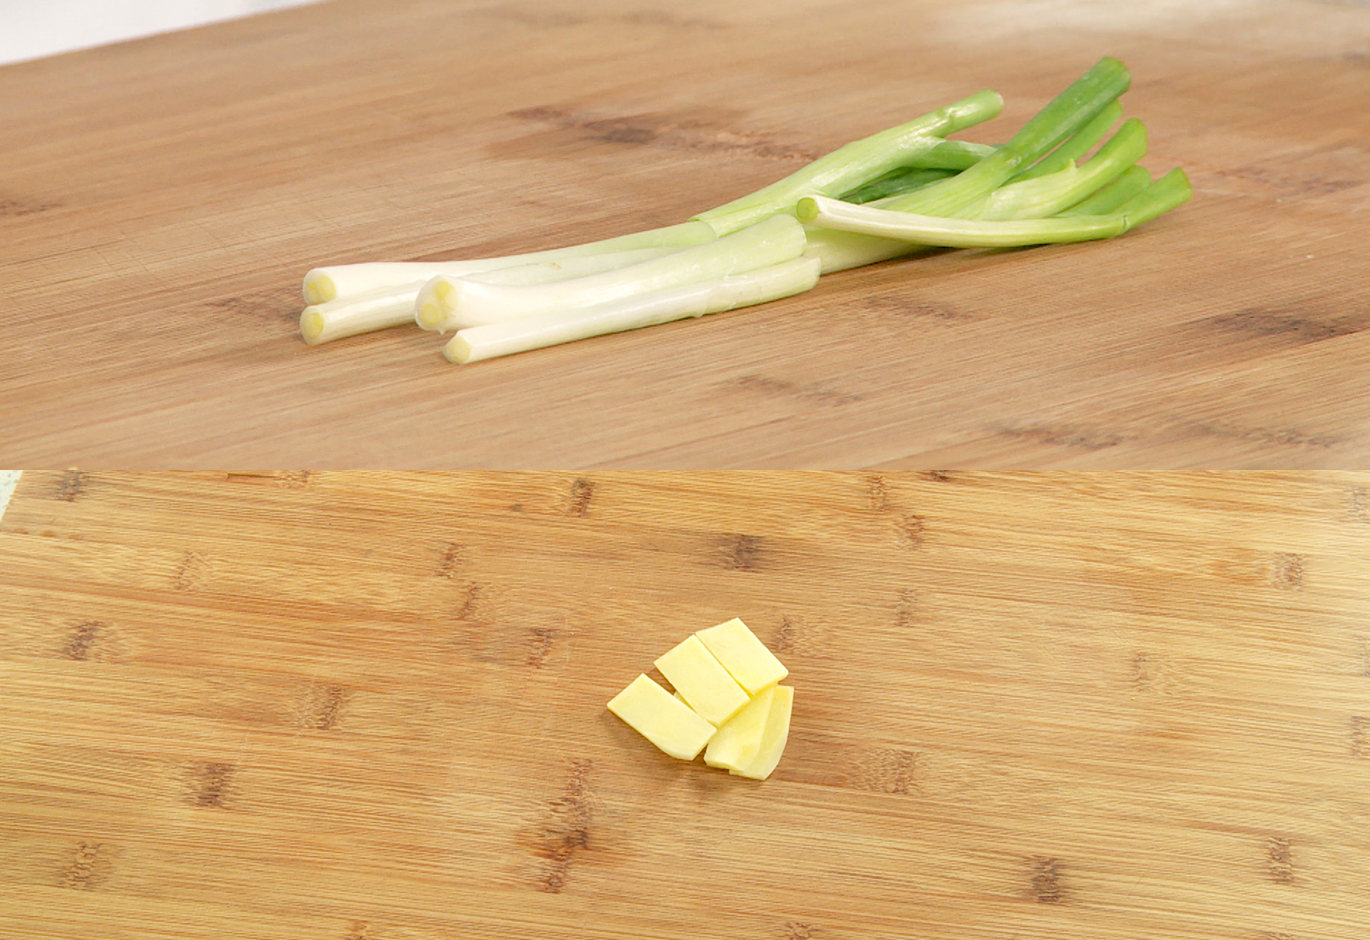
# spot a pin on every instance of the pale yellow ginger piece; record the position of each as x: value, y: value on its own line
x: 668, y: 723
x: 743, y: 655
x: 702, y: 681
x: 774, y: 736
x: 738, y: 740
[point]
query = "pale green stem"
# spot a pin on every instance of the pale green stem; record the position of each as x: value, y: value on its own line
x: 1043, y: 196
x: 454, y: 303
x: 855, y: 163
x: 1161, y: 196
x: 340, y: 281
x: 677, y: 303
x: 1075, y: 146
x: 1065, y: 115
x: 392, y: 306
x: 1128, y: 184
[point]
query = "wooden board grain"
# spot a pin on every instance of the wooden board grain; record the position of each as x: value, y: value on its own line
x: 372, y: 706
x: 163, y: 198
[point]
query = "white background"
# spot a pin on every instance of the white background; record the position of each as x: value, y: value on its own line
x: 33, y: 28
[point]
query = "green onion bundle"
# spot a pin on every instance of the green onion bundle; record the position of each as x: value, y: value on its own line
x: 892, y: 194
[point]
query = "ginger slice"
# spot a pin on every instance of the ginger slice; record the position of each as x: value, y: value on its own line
x: 702, y: 681
x: 739, y: 739
x: 743, y: 655
x: 668, y: 723
x: 774, y: 736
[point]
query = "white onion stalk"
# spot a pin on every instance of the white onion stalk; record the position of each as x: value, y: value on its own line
x: 675, y: 303
x: 344, y: 280
x: 358, y: 313
x: 393, y: 306
x: 840, y: 251
x: 446, y: 303
x: 545, y: 272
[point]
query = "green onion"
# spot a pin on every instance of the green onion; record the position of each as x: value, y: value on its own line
x: 1067, y: 113
x: 896, y: 183
x: 900, y: 191
x: 446, y: 303
x: 391, y: 306
x: 855, y: 163
x: 1041, y: 196
x: 357, y: 313
x: 937, y: 231
x: 1128, y: 184
x: 1075, y: 146
x: 676, y: 303
x: 341, y: 281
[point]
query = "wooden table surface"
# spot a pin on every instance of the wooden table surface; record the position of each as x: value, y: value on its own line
x: 161, y: 200
x: 1065, y: 707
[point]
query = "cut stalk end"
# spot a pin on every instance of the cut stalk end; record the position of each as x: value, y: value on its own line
x: 319, y: 288
x: 435, y: 303
x: 312, y: 324
x: 430, y: 317
x: 457, y: 350
x: 806, y: 209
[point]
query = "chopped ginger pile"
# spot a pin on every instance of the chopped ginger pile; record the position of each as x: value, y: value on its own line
x: 728, y: 702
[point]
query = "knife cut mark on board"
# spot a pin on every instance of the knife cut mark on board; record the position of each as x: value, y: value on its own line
x: 900, y: 306
x: 886, y: 770
x: 276, y: 306
x: 191, y: 572
x: 582, y: 491
x: 877, y: 492
x: 1360, y: 736
x: 324, y: 706
x: 71, y: 485
x: 213, y: 780
x: 1280, y: 437
x: 1287, y: 571
x: 453, y: 555
x: 540, y: 643
x: 1279, y: 861
x: 786, y: 636
x: 1044, y: 884
x: 470, y: 603
x: 808, y: 392
x: 1293, y: 326
x: 82, y: 639
x: 290, y: 479
x: 532, y: 16
x: 1069, y: 436
x: 911, y: 530
x: 704, y: 130
x: 1358, y: 504
x: 565, y: 830
x: 906, y: 609
x: 15, y: 208
x: 82, y: 873
x: 742, y: 552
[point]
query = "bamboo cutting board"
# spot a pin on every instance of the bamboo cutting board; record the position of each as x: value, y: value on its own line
x: 162, y: 199
x: 370, y: 706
